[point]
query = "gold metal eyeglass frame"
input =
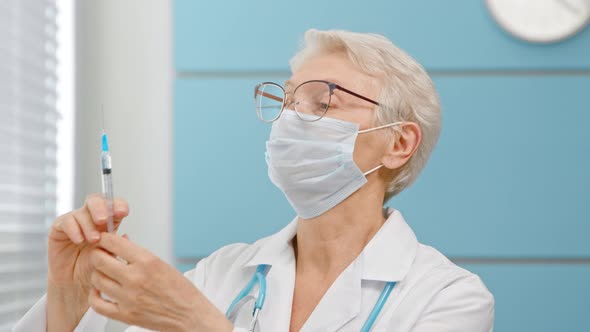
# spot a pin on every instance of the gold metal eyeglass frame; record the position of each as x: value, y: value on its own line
x: 332, y: 86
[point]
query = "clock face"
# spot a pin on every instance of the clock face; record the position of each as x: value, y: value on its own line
x: 541, y: 21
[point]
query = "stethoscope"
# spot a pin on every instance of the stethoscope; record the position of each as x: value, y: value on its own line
x: 260, y: 279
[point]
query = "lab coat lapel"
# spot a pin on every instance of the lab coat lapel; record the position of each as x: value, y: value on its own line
x: 390, y: 253
x: 277, y: 252
x: 280, y: 282
x: 387, y: 257
x: 340, y: 304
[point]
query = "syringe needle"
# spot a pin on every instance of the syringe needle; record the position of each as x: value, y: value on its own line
x: 102, y: 111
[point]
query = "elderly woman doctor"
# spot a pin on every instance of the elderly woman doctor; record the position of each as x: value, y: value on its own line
x: 352, y: 127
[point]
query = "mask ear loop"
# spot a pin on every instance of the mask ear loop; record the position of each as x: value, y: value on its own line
x: 372, y: 170
x: 376, y: 128
x: 380, y: 127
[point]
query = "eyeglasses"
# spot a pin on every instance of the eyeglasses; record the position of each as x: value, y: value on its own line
x: 310, y: 99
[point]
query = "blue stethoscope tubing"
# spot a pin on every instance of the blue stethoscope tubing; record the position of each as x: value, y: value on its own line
x: 259, y: 278
x: 378, y: 306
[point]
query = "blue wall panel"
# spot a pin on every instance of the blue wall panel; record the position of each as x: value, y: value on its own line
x: 508, y: 178
x: 540, y: 298
x: 506, y: 181
x: 262, y: 35
x: 222, y: 193
x: 184, y: 267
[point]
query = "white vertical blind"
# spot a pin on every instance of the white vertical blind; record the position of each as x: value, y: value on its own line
x: 28, y: 122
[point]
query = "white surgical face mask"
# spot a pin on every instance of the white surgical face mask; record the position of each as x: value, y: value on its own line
x: 311, y: 162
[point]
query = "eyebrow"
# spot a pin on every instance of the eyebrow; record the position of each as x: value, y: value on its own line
x: 289, y: 83
x: 338, y: 82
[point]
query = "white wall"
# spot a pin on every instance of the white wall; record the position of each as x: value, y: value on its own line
x: 124, y: 62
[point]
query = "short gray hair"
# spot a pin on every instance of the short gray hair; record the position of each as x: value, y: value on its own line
x: 405, y: 87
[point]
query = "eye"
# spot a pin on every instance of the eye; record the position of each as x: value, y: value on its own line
x: 325, y: 101
x: 334, y: 102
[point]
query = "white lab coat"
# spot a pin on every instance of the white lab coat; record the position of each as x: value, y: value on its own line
x: 431, y: 294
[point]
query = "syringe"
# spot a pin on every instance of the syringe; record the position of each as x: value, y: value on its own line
x: 107, y: 180
x: 107, y: 187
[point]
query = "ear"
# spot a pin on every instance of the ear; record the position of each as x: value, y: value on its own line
x: 403, y: 145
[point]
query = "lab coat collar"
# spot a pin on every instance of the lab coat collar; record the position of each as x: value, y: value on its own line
x: 391, y: 252
x: 387, y: 257
x: 275, y: 249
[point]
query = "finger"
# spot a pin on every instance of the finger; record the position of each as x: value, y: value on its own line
x: 121, y: 247
x: 102, y: 306
x: 109, y: 265
x: 84, y: 219
x: 120, y: 209
x: 70, y: 227
x: 106, y: 285
x: 97, y: 206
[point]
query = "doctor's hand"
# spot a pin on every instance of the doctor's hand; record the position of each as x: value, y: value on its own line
x: 146, y: 291
x: 70, y: 240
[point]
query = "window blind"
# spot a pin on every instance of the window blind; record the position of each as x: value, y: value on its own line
x: 28, y: 128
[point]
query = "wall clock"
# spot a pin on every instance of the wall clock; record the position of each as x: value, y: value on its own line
x: 541, y: 21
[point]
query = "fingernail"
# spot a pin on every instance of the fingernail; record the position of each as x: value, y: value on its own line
x: 94, y: 236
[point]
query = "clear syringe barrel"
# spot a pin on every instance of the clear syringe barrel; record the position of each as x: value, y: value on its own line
x: 107, y: 187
